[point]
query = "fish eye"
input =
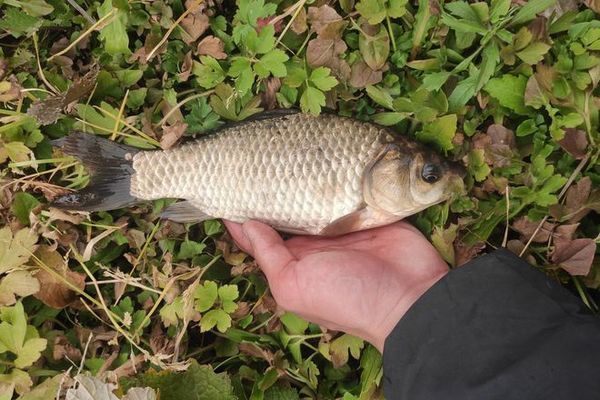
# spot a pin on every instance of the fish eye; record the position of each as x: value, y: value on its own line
x: 431, y: 173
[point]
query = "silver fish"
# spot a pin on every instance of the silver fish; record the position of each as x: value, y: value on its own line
x: 318, y: 175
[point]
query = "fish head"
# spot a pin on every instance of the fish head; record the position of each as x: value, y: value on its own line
x: 403, y: 181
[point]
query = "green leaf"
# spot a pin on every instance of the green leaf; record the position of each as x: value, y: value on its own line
x: 249, y: 11
x: 15, y: 251
x: 218, y: 318
x: 22, y: 205
x: 201, y: 118
x: 18, y: 338
x: 477, y: 165
x: 272, y: 62
x: 312, y: 100
x: 490, y: 58
x: 189, y: 249
x: 17, y: 23
x: 45, y: 390
x: 228, y: 292
x: 30, y: 352
x: 208, y: 72
x: 345, y: 345
x: 321, y: 79
x: 293, y: 323
x: 440, y: 132
x: 530, y: 10
x: 206, y: 296
x: 509, y: 90
x: 198, y: 382
x: 114, y: 35
x: 533, y: 53
x: 375, y: 49
x: 279, y: 392
x: 373, y: 10
x: 380, y: 96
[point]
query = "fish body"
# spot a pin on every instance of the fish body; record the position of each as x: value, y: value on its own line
x: 299, y: 173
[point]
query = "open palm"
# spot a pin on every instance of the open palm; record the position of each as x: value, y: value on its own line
x: 361, y: 283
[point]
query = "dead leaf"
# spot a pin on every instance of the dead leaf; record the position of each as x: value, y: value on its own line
x: 48, y: 111
x: 172, y: 134
x: 257, y: 352
x: 186, y: 67
x: 54, y: 291
x: 299, y: 24
x: 194, y: 24
x: 500, y: 135
x: 10, y: 90
x: 575, y: 142
x: 577, y: 199
x: 268, y: 97
x: 463, y: 253
x: 64, y: 349
x: 362, y: 75
x: 564, y: 232
x: 574, y: 256
x: 212, y: 46
x: 326, y: 22
x: 526, y: 227
x: 593, y: 4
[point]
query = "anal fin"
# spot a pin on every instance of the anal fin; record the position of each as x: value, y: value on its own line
x: 184, y: 211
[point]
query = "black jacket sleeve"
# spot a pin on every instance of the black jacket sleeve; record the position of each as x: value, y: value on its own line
x: 495, y: 328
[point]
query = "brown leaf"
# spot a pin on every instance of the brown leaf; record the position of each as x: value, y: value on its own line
x: 212, y: 46
x: 257, y: 352
x: 574, y: 256
x: 3, y: 67
x: 299, y: 24
x: 564, y: 232
x: 577, y: 198
x: 54, y: 292
x: 362, y: 75
x: 48, y: 111
x: 593, y: 4
x: 464, y: 253
x: 500, y: 135
x: 64, y: 349
x: 526, y: 227
x: 326, y: 22
x: 320, y: 52
x: 10, y: 90
x: 325, y: 53
x: 172, y: 134
x: 575, y: 142
x: 269, y: 99
x: 194, y: 24
x: 186, y: 67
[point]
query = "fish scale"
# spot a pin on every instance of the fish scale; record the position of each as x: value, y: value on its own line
x: 294, y: 171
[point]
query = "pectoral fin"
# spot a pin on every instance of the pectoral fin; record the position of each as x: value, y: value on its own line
x: 184, y: 211
x: 364, y: 218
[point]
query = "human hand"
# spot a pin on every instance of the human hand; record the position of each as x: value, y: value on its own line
x: 361, y: 283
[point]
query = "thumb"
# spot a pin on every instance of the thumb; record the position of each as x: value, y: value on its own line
x: 269, y: 250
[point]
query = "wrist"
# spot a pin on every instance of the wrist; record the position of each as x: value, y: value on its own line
x: 405, y: 302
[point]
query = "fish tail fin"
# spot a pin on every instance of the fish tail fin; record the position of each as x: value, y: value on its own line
x: 110, y: 165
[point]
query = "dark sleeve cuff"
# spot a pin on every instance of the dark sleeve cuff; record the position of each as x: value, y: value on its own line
x: 495, y: 328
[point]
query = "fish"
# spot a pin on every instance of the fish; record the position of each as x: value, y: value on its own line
x: 302, y: 174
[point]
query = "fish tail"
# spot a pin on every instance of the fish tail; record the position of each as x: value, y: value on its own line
x: 110, y: 165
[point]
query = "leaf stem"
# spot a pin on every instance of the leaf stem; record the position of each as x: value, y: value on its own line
x: 391, y: 32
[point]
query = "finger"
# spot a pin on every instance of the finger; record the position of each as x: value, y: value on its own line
x: 268, y: 248
x: 238, y: 235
